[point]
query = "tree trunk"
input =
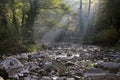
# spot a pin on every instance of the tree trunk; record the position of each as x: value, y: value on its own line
x: 81, y: 23
x: 29, y: 27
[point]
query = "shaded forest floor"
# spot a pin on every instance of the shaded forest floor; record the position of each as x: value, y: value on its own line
x: 62, y: 62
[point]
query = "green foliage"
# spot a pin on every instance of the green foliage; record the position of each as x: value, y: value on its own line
x: 17, y: 19
x: 30, y: 48
x: 107, y: 30
x: 49, y: 3
x: 106, y: 37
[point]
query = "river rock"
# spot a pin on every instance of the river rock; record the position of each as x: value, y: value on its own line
x: 1, y: 78
x: 33, y: 67
x: 36, y: 56
x: 69, y: 63
x: 22, y: 56
x: 27, y: 78
x: 105, y: 77
x: 49, y: 67
x: 110, y: 77
x: 69, y: 54
x: 31, y: 77
x: 99, y: 74
x: 111, y: 66
x: 94, y: 72
x: 58, y: 78
x: 13, y: 67
x: 70, y: 79
x: 46, y: 78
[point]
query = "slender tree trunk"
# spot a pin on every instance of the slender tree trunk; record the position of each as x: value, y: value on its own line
x: 79, y: 30
x: 81, y: 21
x: 89, y: 7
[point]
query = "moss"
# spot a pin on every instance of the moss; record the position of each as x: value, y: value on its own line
x: 30, y: 47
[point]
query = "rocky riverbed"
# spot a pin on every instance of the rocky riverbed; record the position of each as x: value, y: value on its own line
x: 62, y: 62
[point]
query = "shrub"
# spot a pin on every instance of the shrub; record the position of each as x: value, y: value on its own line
x: 30, y: 48
x: 106, y: 37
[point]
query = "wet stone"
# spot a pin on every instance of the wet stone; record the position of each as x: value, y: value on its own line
x: 69, y: 55
x: 27, y: 78
x: 33, y: 67
x: 13, y: 67
x: 105, y: 77
x: 69, y: 63
x: 36, y: 55
x: 94, y: 72
x: 49, y: 67
x: 59, y: 78
x: 46, y: 78
x: 22, y: 56
x: 62, y: 62
x: 1, y: 78
x: 70, y: 79
x: 111, y: 66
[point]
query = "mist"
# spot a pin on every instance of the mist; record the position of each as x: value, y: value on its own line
x: 69, y: 23
x: 51, y: 36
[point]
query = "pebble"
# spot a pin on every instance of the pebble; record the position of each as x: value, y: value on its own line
x: 59, y: 64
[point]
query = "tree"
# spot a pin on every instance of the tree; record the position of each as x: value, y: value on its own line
x: 17, y: 20
x: 29, y: 29
x: 81, y: 20
x: 107, y: 25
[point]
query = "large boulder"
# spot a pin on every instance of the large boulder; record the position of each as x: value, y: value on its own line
x: 1, y: 78
x: 13, y: 67
x: 99, y: 74
x: 94, y: 72
x: 111, y: 66
x: 110, y: 77
x: 105, y: 77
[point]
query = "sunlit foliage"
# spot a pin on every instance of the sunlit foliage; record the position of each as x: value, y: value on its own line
x: 17, y: 19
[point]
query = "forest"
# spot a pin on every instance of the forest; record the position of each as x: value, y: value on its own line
x: 25, y: 22
x: 59, y: 39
